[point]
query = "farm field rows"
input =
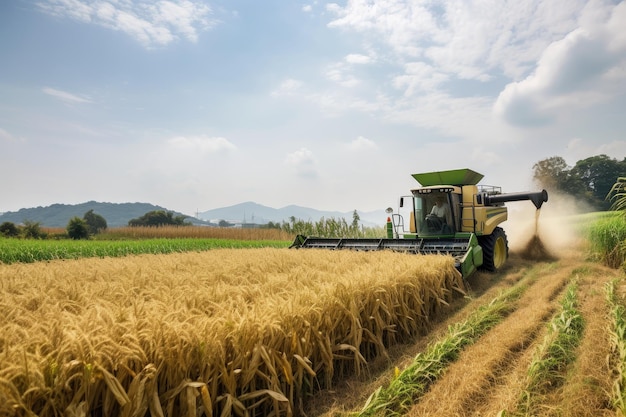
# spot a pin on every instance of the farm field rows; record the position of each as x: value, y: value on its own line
x: 285, y: 332
x: 492, y: 377
x: 33, y: 250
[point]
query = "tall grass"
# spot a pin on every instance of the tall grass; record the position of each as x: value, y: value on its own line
x: 197, y: 232
x: 29, y: 250
x: 607, y: 236
x: 617, y: 333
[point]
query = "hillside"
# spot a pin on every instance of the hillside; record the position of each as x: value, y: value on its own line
x: 118, y: 214
x: 251, y: 212
x: 58, y: 215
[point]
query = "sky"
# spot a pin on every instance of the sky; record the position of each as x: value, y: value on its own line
x: 199, y: 104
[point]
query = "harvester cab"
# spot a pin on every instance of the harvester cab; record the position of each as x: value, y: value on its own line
x: 449, y: 214
x: 429, y: 212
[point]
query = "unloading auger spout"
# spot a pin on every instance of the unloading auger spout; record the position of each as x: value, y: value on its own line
x: 537, y: 198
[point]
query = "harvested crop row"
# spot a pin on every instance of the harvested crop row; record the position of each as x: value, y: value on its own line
x: 569, y: 374
x: 547, y: 369
x: 586, y: 391
x: 469, y: 383
x: 226, y: 331
x: 414, y: 381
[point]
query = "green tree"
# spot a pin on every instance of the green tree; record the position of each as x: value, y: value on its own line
x: 95, y: 222
x: 551, y: 173
x: 589, y: 180
x: 271, y: 225
x: 77, y: 228
x: 158, y: 218
x: 32, y: 230
x: 598, y: 174
x: 9, y: 229
x: 354, y: 227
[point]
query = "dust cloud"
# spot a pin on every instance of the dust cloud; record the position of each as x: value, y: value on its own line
x: 545, y: 234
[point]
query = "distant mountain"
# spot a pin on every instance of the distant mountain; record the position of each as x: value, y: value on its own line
x: 251, y: 212
x: 118, y: 214
x: 59, y: 215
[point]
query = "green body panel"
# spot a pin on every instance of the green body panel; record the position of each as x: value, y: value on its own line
x: 473, y: 258
x: 453, y: 177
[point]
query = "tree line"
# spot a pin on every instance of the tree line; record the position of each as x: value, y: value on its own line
x: 590, y: 180
x: 91, y: 224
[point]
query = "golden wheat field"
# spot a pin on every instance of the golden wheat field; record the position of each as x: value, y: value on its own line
x: 222, y: 332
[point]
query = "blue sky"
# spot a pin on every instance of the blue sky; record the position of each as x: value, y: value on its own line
x: 194, y: 105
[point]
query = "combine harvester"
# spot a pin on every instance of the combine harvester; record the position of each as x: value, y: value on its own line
x: 449, y: 214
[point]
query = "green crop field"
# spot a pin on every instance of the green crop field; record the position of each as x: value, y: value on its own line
x: 31, y: 250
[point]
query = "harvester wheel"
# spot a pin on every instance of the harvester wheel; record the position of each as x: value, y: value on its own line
x: 495, y: 250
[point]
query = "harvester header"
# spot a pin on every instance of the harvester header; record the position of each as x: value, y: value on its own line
x: 449, y: 214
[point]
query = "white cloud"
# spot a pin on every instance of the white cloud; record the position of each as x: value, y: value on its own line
x: 65, y: 96
x: 5, y: 136
x: 419, y: 77
x: 580, y: 70
x: 362, y: 144
x: 307, y: 8
x: 334, y: 103
x: 74, y: 9
x: 358, y: 59
x: 287, y: 88
x: 460, y: 117
x: 448, y: 60
x: 579, y: 148
x: 303, y: 162
x: 182, y: 16
x: 340, y: 74
x: 469, y: 39
x: 150, y: 23
x: 201, y: 144
x: 615, y: 26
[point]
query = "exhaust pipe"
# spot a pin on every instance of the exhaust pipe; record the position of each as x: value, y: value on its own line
x: 537, y: 198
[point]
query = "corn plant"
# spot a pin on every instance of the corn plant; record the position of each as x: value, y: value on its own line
x: 617, y: 195
x: 617, y: 334
x: 332, y: 227
x: 607, y: 236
